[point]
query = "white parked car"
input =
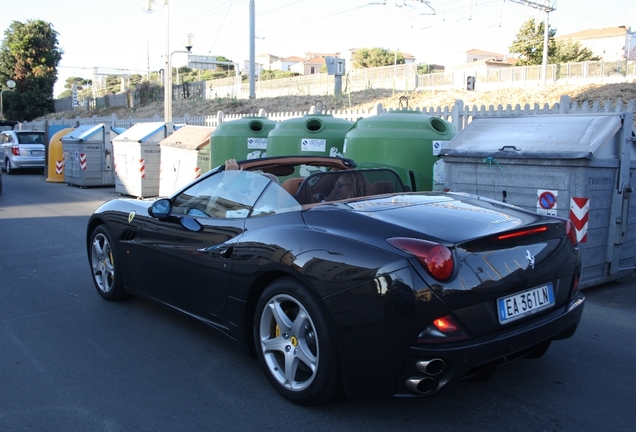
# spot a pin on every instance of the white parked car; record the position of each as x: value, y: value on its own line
x: 21, y: 149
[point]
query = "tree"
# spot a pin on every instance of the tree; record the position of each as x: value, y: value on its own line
x: 224, y: 67
x: 424, y: 68
x: 81, y: 83
x: 529, y: 43
x: 29, y: 55
x: 375, y: 57
x: 571, y: 51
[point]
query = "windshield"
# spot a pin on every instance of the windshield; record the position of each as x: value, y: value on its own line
x: 234, y: 194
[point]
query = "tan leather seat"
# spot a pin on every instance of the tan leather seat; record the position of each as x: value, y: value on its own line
x: 291, y: 185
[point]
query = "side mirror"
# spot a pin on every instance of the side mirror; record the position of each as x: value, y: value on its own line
x: 160, y: 209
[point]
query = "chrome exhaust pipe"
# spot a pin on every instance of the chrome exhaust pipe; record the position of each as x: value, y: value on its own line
x: 431, y: 367
x: 421, y: 385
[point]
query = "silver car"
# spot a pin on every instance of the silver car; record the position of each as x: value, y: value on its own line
x: 21, y: 149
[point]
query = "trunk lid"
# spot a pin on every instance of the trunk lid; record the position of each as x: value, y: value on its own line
x: 489, y: 266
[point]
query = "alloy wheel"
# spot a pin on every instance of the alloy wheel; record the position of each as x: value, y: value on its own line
x: 289, y: 342
x: 102, y: 263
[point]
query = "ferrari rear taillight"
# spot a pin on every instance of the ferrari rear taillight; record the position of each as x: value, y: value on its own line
x: 436, y: 259
x: 446, y: 324
x: 571, y: 232
x: 15, y: 150
x: 442, y: 329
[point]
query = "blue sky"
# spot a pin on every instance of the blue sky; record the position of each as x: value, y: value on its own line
x: 118, y: 34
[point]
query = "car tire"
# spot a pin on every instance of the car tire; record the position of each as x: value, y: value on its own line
x: 294, y: 344
x: 7, y: 167
x: 105, y: 266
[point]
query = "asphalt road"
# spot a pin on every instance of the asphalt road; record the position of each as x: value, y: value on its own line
x: 70, y: 361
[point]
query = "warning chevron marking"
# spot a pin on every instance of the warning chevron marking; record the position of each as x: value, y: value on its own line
x: 142, y: 168
x: 579, y: 215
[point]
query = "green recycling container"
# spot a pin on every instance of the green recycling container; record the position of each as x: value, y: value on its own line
x: 309, y: 135
x: 405, y: 140
x: 244, y: 138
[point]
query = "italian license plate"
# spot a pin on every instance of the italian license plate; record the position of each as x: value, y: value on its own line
x: 525, y: 303
x: 37, y: 152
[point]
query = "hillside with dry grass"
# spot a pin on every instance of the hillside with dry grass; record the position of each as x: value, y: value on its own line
x: 370, y: 98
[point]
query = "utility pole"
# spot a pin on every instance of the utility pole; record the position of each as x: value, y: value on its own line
x: 252, y: 51
x: 546, y: 6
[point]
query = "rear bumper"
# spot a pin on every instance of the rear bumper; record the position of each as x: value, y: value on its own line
x: 483, y: 355
x: 27, y: 162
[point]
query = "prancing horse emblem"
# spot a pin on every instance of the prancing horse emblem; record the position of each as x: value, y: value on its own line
x: 530, y: 259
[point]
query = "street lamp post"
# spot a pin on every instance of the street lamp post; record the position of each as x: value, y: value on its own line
x: 188, y: 41
x: 11, y: 85
x: 252, y: 33
x: 149, y: 6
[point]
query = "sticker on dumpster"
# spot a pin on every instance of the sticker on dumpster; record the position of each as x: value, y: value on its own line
x: 579, y: 215
x: 59, y: 167
x: 438, y: 146
x: 313, y: 145
x: 257, y: 143
x: 142, y: 168
x: 439, y: 175
x: 333, y: 152
x: 547, y: 202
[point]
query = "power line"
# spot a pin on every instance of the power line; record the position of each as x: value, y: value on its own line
x: 221, y: 26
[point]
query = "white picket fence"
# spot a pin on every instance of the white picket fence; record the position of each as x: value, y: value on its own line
x: 459, y: 114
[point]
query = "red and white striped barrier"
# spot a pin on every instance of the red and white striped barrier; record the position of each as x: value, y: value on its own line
x: 59, y: 167
x: 142, y: 168
x: 579, y: 215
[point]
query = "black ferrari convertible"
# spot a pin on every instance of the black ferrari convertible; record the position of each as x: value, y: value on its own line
x: 340, y: 279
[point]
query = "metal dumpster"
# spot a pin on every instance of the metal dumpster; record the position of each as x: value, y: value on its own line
x: 577, y: 167
x: 138, y: 159
x: 185, y: 155
x: 55, y: 157
x: 244, y: 138
x: 311, y: 134
x: 88, y: 156
x: 407, y: 141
